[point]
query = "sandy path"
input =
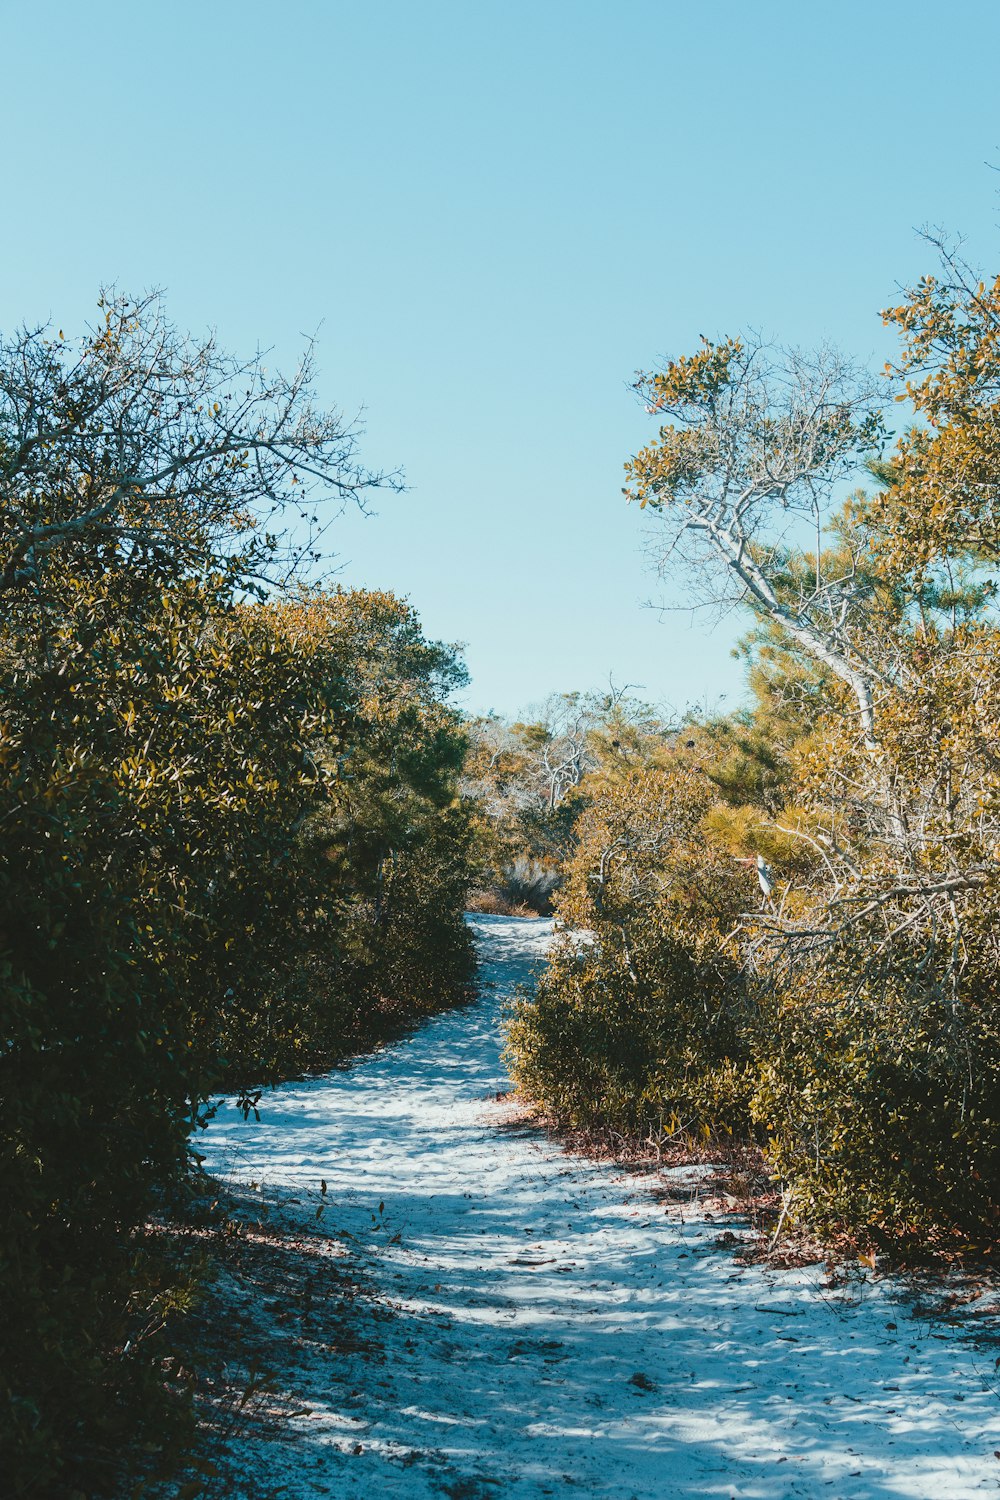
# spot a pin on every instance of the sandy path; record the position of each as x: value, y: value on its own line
x: 542, y: 1327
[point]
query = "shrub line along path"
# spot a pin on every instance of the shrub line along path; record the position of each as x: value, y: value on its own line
x: 532, y: 1323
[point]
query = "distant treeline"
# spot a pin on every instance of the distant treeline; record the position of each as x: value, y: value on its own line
x: 231, y: 846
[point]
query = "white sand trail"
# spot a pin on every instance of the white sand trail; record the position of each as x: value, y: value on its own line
x: 542, y: 1327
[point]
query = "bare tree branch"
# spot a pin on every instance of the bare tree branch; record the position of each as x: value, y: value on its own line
x: 166, y: 450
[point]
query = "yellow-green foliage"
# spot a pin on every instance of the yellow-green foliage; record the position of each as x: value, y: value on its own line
x: 231, y: 848
x: 527, y: 784
x: 849, y: 1023
x: 879, y: 1056
x: 639, y: 1018
x: 879, y: 1095
x: 231, y: 843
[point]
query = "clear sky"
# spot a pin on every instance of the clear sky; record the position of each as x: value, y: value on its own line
x: 494, y: 212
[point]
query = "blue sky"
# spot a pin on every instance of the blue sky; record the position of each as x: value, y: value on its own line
x: 494, y: 212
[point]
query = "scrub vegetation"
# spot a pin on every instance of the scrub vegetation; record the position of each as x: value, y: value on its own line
x: 242, y: 818
x: 232, y: 847
x: 780, y: 925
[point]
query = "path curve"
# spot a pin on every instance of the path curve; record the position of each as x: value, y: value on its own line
x: 540, y: 1326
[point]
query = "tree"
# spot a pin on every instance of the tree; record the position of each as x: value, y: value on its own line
x: 874, y: 979
x: 232, y: 843
x: 149, y: 450
x: 942, y: 501
x: 757, y: 443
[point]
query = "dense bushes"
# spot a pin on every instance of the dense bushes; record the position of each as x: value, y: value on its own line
x: 835, y: 1029
x: 231, y: 844
x: 845, y: 1015
x: 220, y: 875
x: 880, y: 1101
x: 632, y: 1038
x: 638, y: 1020
x: 375, y: 877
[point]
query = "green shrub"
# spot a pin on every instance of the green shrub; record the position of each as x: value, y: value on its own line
x: 639, y: 1018
x: 880, y: 1099
x: 643, y: 1043
x: 228, y: 853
